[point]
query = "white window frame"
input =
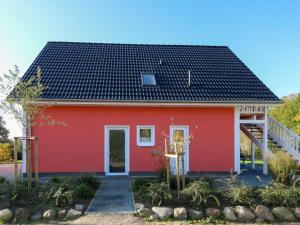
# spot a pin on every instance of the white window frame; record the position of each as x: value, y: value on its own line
x: 138, y: 140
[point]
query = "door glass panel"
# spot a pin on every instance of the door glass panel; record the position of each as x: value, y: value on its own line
x: 117, y: 151
x: 178, y: 136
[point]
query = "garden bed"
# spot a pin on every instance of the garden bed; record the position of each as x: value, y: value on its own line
x: 57, y: 199
x: 201, y: 200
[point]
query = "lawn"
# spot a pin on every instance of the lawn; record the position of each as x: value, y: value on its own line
x: 10, y: 162
x: 257, y: 162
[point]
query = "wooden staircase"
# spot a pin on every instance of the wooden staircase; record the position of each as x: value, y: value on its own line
x: 278, y: 135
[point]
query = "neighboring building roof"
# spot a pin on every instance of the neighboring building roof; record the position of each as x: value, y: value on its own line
x: 112, y: 72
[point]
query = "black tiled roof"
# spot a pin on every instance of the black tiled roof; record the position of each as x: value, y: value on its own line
x: 112, y: 72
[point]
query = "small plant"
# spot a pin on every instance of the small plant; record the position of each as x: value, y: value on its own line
x: 240, y: 195
x: 278, y: 194
x: 139, y: 183
x: 159, y: 193
x: 19, y: 190
x: 61, y: 196
x: 55, y: 180
x: 282, y: 167
x: 83, y: 191
x: 200, y: 192
x: 89, y: 179
x: 4, y: 189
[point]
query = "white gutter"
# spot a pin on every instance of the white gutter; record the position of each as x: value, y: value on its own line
x: 152, y: 104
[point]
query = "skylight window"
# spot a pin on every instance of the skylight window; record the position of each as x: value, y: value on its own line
x: 148, y: 79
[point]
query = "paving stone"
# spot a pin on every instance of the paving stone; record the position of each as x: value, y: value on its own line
x: 115, y: 195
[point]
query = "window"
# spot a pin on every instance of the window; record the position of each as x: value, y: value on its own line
x: 148, y: 79
x: 145, y: 136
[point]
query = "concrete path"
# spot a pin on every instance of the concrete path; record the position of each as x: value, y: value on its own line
x: 8, y: 170
x: 113, y: 196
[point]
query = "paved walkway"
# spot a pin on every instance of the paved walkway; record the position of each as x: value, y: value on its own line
x: 114, y: 195
x: 8, y: 170
x: 254, y: 178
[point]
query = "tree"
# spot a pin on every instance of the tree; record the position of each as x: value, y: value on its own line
x: 21, y: 100
x: 288, y: 113
x: 3, y: 132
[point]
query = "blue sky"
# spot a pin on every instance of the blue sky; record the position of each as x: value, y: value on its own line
x: 264, y: 34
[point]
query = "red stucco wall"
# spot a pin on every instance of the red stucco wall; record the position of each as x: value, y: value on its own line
x: 79, y: 146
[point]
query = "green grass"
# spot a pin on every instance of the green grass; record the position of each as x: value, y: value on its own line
x: 10, y: 162
x: 257, y: 162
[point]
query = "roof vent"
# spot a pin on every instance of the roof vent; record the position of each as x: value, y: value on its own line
x: 160, y: 61
x: 189, y: 74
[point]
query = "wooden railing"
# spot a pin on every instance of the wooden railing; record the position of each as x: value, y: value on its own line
x: 252, y: 110
x: 287, y: 139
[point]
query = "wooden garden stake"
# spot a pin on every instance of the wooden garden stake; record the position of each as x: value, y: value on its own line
x: 16, y: 159
x: 29, y: 173
x: 182, y: 170
x: 167, y: 163
x: 177, y: 171
x: 36, y: 162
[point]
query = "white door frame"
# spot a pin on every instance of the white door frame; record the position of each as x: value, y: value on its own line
x: 107, y: 128
x: 187, y: 150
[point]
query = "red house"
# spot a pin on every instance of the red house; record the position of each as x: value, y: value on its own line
x: 119, y: 101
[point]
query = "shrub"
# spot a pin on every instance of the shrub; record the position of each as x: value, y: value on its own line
x: 61, y: 196
x: 200, y: 192
x: 83, y: 191
x: 282, y: 166
x: 278, y: 194
x: 55, y: 180
x: 159, y: 193
x: 4, y: 189
x: 19, y: 190
x: 90, y: 180
x: 240, y: 195
x: 5, y: 152
x: 139, y: 183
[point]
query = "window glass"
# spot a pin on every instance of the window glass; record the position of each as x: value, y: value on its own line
x: 145, y: 135
x: 148, y: 79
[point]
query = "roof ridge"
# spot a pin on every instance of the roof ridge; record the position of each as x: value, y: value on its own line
x: 140, y: 44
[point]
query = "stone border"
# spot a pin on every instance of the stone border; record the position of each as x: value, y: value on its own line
x: 232, y: 214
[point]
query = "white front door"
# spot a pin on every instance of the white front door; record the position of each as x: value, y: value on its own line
x: 180, y: 131
x: 116, y: 147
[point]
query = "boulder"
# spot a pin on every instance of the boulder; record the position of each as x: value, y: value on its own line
x: 195, y: 214
x: 213, y: 212
x: 6, y: 215
x: 49, y: 214
x: 36, y: 216
x: 79, y: 207
x: 145, y: 212
x: 297, y: 213
x: 229, y: 214
x: 72, y: 214
x: 180, y: 213
x: 283, y: 214
x: 244, y: 214
x: 163, y: 212
x: 138, y: 206
x: 22, y: 215
x: 262, y: 211
x: 61, y: 213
